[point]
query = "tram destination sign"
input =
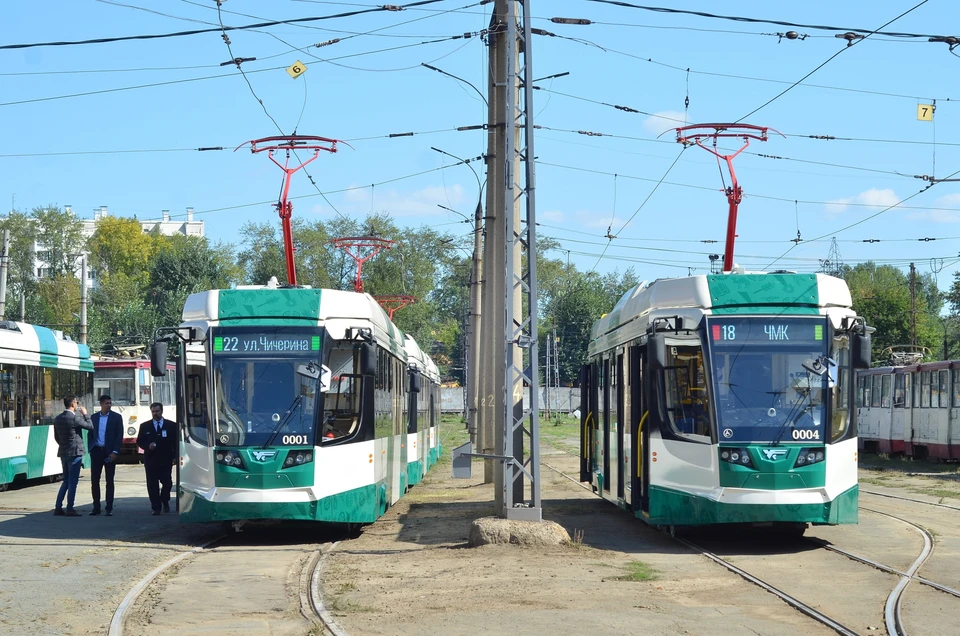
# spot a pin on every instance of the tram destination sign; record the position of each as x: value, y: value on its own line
x: 757, y: 331
x: 245, y: 344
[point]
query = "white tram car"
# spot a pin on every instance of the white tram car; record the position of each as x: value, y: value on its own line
x: 726, y: 398
x: 911, y: 410
x: 299, y: 404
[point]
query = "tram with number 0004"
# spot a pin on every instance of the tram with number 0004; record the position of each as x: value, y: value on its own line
x: 726, y: 399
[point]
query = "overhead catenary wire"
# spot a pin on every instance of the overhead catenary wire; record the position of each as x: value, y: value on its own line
x: 783, y: 23
x: 259, y: 25
x: 850, y: 44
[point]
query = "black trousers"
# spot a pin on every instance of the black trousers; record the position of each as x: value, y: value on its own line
x: 97, y: 466
x: 159, y: 481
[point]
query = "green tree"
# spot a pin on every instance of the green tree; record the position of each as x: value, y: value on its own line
x: 881, y: 294
x: 59, y: 235
x: 184, y: 265
x: 21, y: 276
x: 120, y: 246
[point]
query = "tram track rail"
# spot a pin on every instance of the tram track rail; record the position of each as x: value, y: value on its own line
x: 797, y: 604
x: 312, y: 605
x: 918, y: 501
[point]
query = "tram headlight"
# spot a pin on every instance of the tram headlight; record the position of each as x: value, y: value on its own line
x: 297, y: 458
x: 809, y: 456
x: 737, y: 456
x: 229, y: 458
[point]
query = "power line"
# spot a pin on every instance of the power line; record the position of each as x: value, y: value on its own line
x: 850, y: 43
x: 756, y: 196
x: 818, y: 27
x: 259, y: 25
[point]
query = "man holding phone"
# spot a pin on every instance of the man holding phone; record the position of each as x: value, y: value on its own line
x: 104, y: 443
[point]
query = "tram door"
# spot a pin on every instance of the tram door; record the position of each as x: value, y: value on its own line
x: 588, y: 421
x: 639, y: 468
x: 605, y: 401
x: 620, y: 421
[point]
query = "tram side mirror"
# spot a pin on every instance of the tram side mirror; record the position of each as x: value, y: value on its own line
x: 158, y: 359
x: 657, y: 351
x: 414, y: 381
x: 368, y: 359
x: 862, y: 353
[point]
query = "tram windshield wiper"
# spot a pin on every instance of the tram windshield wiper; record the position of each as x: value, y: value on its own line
x: 283, y: 420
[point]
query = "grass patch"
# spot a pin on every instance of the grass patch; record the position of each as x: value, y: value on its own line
x: 942, y: 493
x: 638, y: 571
x: 342, y: 606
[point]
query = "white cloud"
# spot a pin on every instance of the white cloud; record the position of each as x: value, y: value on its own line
x: 399, y: 204
x: 553, y: 216
x: 948, y: 201
x: 663, y: 121
x: 872, y: 197
x: 593, y: 220
x: 935, y: 216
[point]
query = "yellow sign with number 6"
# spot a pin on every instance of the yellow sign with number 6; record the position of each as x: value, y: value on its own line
x: 297, y: 69
x: 925, y: 112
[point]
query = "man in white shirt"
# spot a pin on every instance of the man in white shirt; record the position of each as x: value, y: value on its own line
x: 104, y: 445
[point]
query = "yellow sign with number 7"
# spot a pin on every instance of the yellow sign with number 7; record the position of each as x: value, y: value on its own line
x: 297, y: 69
x: 925, y: 112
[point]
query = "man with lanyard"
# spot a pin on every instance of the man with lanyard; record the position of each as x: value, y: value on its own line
x: 158, y: 439
x: 104, y: 444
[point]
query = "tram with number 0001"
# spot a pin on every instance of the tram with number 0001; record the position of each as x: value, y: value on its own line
x: 298, y: 404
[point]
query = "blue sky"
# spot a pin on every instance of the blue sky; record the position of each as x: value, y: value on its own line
x: 588, y: 186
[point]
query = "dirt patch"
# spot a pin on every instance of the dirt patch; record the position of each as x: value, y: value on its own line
x: 412, y: 572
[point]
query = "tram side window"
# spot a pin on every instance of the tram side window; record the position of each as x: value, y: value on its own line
x: 885, y: 392
x: 867, y: 389
x: 877, y: 391
x: 8, y: 397
x: 860, y: 391
x: 198, y: 414
x: 934, y: 391
x: 925, y: 389
x: 899, y: 391
x: 944, y: 389
x: 956, y: 387
x: 685, y: 391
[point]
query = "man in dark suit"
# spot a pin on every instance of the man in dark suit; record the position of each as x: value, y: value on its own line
x: 160, y: 443
x: 104, y: 444
x: 67, y: 431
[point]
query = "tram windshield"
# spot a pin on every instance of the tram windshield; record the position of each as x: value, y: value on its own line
x: 770, y: 378
x: 261, y: 398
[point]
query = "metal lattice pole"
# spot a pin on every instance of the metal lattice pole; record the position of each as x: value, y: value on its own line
x: 521, y: 425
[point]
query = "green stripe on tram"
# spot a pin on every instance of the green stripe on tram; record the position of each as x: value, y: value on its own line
x: 269, y: 306
x: 778, y: 294
x: 673, y: 507
x: 48, y: 347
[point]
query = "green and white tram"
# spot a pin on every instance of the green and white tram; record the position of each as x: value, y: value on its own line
x: 294, y: 404
x: 38, y: 367
x: 726, y: 399
x: 423, y: 445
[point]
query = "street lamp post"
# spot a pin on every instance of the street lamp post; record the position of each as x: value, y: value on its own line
x: 473, y: 325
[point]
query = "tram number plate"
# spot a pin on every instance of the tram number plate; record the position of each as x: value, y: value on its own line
x: 801, y: 434
x: 298, y: 440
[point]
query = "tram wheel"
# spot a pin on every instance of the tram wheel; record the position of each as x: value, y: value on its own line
x: 793, y: 530
x: 54, y: 478
x: 4, y: 487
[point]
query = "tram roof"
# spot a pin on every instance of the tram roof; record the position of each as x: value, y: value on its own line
x: 333, y: 309
x: 692, y: 297
x: 23, y: 343
x: 417, y: 357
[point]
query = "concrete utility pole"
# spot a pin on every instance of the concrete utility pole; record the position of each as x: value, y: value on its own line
x: 83, y: 299
x: 913, y: 305
x: 476, y: 305
x: 510, y: 335
x: 4, y: 264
